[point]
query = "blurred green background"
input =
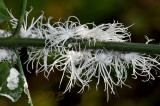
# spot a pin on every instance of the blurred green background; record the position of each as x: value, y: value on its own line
x: 144, y: 14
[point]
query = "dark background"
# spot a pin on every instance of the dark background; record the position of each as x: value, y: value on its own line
x: 144, y: 14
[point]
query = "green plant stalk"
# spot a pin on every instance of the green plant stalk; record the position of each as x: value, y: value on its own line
x: 23, y: 8
x: 21, y: 42
x: 26, y: 90
x: 115, y: 46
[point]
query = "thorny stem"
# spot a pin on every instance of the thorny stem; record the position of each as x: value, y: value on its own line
x: 115, y: 46
x: 23, y: 8
x: 26, y: 90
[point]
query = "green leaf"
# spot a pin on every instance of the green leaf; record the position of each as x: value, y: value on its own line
x: 3, y: 12
x: 4, y: 90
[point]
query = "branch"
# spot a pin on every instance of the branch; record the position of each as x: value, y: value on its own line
x: 115, y: 46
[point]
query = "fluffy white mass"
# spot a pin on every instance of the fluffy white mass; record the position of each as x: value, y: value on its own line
x: 13, y: 80
x: 29, y: 29
x: 5, y: 53
x: 81, y: 66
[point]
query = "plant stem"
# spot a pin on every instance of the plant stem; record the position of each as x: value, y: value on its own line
x: 115, y: 46
x: 26, y: 90
x: 21, y: 42
x: 23, y: 8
